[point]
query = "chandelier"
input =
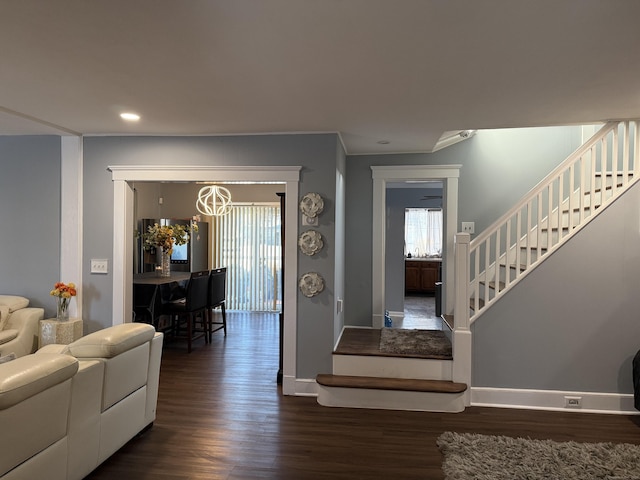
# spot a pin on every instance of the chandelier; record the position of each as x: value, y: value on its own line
x: 214, y: 200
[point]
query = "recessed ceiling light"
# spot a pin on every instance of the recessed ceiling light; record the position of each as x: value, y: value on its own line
x: 130, y: 117
x: 383, y: 142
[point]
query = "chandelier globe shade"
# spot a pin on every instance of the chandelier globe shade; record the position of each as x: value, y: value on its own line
x: 214, y: 201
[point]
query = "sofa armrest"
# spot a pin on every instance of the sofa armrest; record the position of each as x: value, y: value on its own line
x: 8, y: 335
x: 27, y: 322
x: 54, y: 348
x: 112, y: 341
x: 153, y: 378
x: 26, y: 376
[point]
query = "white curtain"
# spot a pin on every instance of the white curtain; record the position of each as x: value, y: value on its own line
x: 423, y: 232
x: 247, y: 242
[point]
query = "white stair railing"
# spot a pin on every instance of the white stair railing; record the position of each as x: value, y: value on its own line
x: 556, y: 209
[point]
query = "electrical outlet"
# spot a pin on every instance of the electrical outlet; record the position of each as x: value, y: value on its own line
x: 573, y: 402
x: 99, y: 265
x: 468, y: 227
x: 309, y: 221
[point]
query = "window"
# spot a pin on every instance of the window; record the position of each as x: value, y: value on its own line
x: 423, y: 232
x: 247, y: 242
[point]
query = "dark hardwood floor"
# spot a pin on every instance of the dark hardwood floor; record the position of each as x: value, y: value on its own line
x: 221, y: 415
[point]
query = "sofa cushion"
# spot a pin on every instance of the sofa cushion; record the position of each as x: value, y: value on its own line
x: 14, y: 302
x: 112, y: 341
x: 8, y: 335
x: 26, y: 376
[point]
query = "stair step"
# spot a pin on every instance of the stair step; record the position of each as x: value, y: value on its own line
x: 492, y: 284
x: 514, y: 266
x: 383, y: 383
x: 391, y: 393
x: 472, y: 304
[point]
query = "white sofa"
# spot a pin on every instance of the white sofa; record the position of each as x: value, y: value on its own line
x: 19, y: 326
x: 67, y: 408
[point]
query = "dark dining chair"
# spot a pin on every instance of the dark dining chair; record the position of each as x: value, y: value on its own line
x: 147, y: 304
x: 186, y: 311
x: 216, y: 298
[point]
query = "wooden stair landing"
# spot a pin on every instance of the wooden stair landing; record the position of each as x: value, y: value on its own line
x: 364, y: 377
x: 366, y: 342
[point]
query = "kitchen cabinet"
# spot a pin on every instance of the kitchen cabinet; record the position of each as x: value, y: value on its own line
x: 421, y: 276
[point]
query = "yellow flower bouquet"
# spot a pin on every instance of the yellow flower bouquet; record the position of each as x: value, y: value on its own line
x: 63, y: 293
x: 166, y: 236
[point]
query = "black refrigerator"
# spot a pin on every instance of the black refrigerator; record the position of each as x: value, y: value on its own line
x: 193, y: 256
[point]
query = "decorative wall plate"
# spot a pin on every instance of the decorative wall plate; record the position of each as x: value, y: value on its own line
x: 311, y: 204
x: 311, y: 284
x: 310, y: 242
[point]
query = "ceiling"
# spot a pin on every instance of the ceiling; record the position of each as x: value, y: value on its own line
x: 405, y: 72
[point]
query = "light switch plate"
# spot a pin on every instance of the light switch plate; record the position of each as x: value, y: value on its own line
x: 99, y: 265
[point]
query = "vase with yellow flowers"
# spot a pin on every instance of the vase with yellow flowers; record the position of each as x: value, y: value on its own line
x: 63, y: 293
x: 164, y: 237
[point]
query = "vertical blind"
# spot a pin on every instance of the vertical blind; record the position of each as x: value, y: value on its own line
x: 247, y: 242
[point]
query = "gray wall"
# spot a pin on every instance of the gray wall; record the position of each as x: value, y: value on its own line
x: 30, y: 218
x: 316, y: 153
x: 572, y: 324
x: 499, y: 167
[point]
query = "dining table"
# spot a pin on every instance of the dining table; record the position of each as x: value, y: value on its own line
x: 171, y: 287
x: 152, y: 278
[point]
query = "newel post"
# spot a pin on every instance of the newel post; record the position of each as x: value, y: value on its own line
x: 461, y: 281
x: 461, y: 334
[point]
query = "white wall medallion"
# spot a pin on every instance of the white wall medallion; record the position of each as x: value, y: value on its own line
x: 310, y: 242
x: 311, y: 284
x: 311, y: 205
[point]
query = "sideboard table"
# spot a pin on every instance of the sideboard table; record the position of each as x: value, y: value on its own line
x: 63, y: 333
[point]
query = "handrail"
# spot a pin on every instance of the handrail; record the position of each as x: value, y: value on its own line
x: 546, y: 217
x: 581, y: 150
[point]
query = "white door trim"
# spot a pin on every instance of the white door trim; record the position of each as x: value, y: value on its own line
x: 123, y: 231
x: 71, y: 169
x: 382, y: 174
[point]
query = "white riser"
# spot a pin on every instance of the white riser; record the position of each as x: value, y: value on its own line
x: 390, y: 399
x: 392, y: 367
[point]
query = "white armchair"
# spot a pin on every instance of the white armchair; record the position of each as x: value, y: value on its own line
x: 19, y: 326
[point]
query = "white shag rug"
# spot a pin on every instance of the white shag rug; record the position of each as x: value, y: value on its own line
x: 485, y: 457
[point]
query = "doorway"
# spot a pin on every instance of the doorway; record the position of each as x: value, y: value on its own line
x: 383, y: 175
x: 413, y: 244
x: 124, y: 175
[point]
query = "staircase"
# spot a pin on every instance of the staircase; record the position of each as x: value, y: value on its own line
x: 363, y: 377
x: 561, y: 205
x: 488, y: 267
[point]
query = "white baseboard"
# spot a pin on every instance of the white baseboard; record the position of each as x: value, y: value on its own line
x: 591, y: 402
x: 306, y: 387
x: 552, y: 400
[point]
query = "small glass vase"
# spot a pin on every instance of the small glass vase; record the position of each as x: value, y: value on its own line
x: 166, y: 264
x: 62, y: 309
